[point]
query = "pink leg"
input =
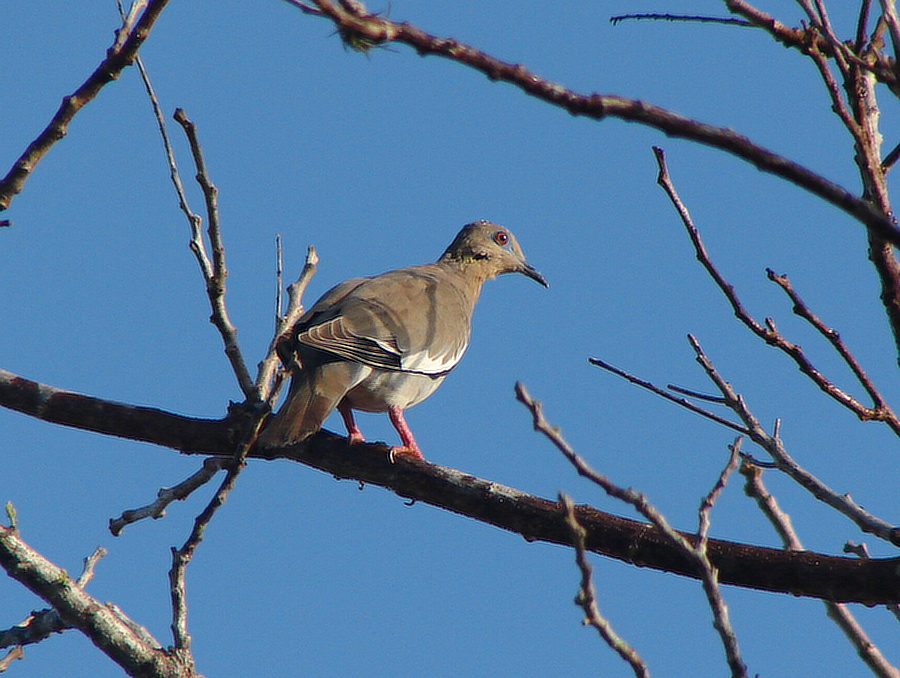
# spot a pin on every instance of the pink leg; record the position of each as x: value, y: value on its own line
x: 410, y: 447
x: 354, y: 435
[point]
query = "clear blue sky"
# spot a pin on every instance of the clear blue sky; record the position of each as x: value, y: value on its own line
x: 378, y: 160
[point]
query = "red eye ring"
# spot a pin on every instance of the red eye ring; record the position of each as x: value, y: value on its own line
x: 501, y: 237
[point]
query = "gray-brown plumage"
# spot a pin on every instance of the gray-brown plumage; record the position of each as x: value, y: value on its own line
x: 385, y: 343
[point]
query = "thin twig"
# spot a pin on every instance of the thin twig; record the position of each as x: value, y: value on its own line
x: 697, y: 554
x: 194, y: 219
x: 709, y: 500
x: 90, y: 562
x: 167, y: 495
x: 781, y: 521
x: 696, y: 394
x: 128, y: 19
x: 839, y: 612
x: 279, y: 278
x: 305, y: 8
x: 587, y: 595
x: 841, y: 52
x: 838, y: 102
x: 862, y: 26
x: 890, y: 159
x: 889, y: 12
x: 296, y: 289
x: 15, y: 653
x: 772, y: 444
x: 680, y: 17
x: 268, y: 366
x: 214, y: 273
x: 688, y: 405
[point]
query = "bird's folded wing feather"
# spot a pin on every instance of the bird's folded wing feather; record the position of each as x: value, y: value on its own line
x: 410, y: 320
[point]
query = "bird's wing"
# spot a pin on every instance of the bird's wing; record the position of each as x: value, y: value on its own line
x: 413, y: 320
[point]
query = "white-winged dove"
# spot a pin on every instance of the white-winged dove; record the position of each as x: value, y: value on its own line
x: 385, y: 343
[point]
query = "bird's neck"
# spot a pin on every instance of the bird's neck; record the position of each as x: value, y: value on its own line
x: 470, y: 273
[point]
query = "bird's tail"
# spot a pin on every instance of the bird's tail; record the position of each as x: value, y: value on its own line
x: 313, y: 394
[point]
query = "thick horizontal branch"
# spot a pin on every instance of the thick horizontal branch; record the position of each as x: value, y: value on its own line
x: 367, y: 29
x: 58, y: 406
x: 536, y: 519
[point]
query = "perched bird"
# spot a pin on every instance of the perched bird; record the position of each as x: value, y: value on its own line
x: 385, y: 343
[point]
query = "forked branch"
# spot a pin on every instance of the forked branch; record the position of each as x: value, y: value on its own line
x: 768, y: 332
x: 105, y: 625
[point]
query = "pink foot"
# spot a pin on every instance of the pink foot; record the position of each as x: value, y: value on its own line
x: 404, y: 451
x: 409, y: 448
x: 354, y: 435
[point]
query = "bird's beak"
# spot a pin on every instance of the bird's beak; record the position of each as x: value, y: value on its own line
x: 533, y: 274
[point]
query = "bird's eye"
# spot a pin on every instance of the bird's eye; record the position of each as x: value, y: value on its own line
x: 501, y: 237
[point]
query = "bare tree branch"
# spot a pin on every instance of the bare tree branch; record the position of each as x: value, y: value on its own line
x: 781, y: 521
x: 371, y: 29
x: 687, y: 404
x: 889, y: 12
x: 815, y: 574
x: 687, y: 18
x: 801, y: 39
x: 76, y: 607
x: 214, y: 272
x: 857, y: 107
x: 15, y: 653
x: 182, y: 557
x: 808, y: 574
x: 41, y: 624
x: 862, y: 25
x: 774, y: 446
x: 703, y: 521
x: 880, y: 411
x: 120, y: 55
x: 58, y: 406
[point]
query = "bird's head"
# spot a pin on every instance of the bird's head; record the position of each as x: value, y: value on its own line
x: 489, y: 250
